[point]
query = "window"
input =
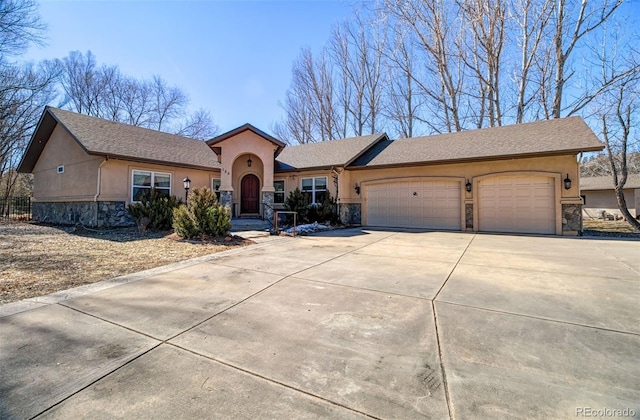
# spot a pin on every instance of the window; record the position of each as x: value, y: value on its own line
x: 143, y: 181
x: 60, y: 169
x: 315, y: 188
x: 278, y: 196
x: 215, y: 186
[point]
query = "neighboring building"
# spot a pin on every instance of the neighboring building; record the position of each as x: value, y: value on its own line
x: 503, y: 179
x: 599, y: 195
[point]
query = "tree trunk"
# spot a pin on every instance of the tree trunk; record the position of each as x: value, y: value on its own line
x: 622, y: 205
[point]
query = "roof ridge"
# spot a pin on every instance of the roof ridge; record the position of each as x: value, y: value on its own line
x: 137, y: 127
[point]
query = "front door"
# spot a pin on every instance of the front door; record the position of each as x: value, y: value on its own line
x: 249, y: 188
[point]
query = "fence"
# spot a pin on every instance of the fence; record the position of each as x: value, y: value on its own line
x: 15, y: 208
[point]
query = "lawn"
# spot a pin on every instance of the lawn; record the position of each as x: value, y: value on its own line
x: 36, y: 260
x: 615, y: 228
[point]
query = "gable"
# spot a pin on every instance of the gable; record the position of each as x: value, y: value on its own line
x: 241, y: 132
x: 326, y: 154
x: 61, y: 149
x: 243, y: 142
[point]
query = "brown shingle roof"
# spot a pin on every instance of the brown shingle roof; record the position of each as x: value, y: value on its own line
x: 245, y: 127
x: 552, y: 137
x: 606, y: 182
x: 326, y: 154
x: 107, y: 138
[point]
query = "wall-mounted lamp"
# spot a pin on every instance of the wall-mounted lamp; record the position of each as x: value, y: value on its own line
x: 567, y: 183
x: 468, y: 186
x: 357, y: 188
x: 249, y: 162
x: 187, y: 184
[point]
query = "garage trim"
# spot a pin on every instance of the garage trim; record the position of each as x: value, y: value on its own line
x: 557, y: 181
x: 460, y: 180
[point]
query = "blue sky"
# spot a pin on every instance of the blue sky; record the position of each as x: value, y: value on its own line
x: 233, y: 58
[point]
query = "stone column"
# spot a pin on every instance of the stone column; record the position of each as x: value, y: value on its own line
x: 572, y: 218
x: 468, y: 216
x: 226, y: 199
x: 267, y: 204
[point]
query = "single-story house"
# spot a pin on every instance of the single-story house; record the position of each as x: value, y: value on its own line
x: 519, y: 178
x: 598, y: 195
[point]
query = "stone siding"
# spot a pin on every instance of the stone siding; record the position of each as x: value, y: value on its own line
x: 468, y: 215
x: 350, y: 213
x: 572, y: 218
x: 226, y: 199
x: 113, y: 214
x: 87, y: 213
x: 267, y: 205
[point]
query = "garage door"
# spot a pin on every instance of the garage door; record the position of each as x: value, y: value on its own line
x: 419, y: 204
x: 521, y: 204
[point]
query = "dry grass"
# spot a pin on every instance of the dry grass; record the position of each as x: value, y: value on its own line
x: 36, y: 260
x: 614, y: 228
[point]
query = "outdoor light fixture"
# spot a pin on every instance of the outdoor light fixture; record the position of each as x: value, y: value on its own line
x: 567, y: 183
x: 468, y: 186
x: 249, y: 162
x: 357, y: 188
x: 187, y: 184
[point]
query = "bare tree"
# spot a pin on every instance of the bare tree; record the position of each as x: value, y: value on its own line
x: 437, y: 36
x: 104, y: 92
x: 24, y: 89
x: 618, y: 106
x: 486, y: 25
x: 20, y: 26
x: 532, y: 18
x: 357, y: 50
x: 403, y: 103
x: 571, y: 26
x: 168, y: 102
x: 312, y: 111
x: 199, y: 125
x: 617, y: 135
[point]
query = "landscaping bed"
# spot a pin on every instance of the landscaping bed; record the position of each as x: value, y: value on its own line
x: 36, y: 259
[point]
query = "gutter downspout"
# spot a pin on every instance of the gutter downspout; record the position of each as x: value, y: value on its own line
x: 95, y: 197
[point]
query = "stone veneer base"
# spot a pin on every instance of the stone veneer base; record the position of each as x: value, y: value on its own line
x: 87, y: 213
x: 350, y: 213
x: 572, y: 218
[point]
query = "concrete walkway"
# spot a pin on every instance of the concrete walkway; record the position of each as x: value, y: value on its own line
x: 356, y: 323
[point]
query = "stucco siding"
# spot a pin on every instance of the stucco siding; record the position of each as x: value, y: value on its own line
x: 557, y: 167
x: 237, y: 149
x: 294, y: 180
x: 606, y: 200
x: 78, y: 181
x: 116, y: 179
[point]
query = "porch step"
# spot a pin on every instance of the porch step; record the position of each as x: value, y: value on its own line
x: 250, y: 216
x: 244, y: 224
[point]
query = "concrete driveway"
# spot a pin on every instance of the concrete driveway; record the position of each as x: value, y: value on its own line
x: 353, y: 323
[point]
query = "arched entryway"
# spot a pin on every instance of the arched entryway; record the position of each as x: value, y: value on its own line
x: 249, y: 194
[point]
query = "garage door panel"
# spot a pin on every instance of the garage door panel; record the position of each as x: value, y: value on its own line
x: 431, y: 204
x: 517, y: 204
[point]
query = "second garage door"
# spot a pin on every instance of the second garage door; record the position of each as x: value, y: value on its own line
x: 520, y: 204
x: 429, y: 204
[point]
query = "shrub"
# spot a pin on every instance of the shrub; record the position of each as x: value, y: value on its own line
x: 218, y: 220
x: 308, y: 212
x: 329, y: 210
x: 202, y: 216
x: 298, y: 202
x: 154, y: 211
